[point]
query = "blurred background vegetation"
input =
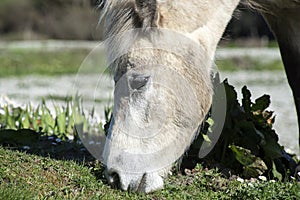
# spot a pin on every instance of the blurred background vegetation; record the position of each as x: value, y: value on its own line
x: 49, y: 19
x: 78, y: 20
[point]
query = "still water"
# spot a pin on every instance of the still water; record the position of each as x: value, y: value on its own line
x: 97, y: 91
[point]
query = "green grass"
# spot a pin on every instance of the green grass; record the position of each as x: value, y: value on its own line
x: 244, y: 42
x: 20, y: 62
x: 235, y: 64
x: 24, y: 62
x: 25, y: 176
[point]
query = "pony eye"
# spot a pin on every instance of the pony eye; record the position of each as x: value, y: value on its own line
x: 136, y: 82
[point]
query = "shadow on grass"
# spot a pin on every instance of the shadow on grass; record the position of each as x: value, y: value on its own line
x: 31, y: 142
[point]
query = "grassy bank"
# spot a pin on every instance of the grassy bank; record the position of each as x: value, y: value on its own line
x: 28, y: 62
x: 234, y: 64
x: 25, y: 176
x: 18, y: 62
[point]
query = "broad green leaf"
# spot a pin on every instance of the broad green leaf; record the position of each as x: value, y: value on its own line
x: 275, y: 173
x: 271, y: 148
x: 210, y: 122
x: 231, y: 96
x: 253, y: 165
x: 61, y: 122
x: 261, y: 103
x: 10, y: 121
x: 257, y: 168
x: 70, y: 125
x: 247, y: 136
x: 25, y: 121
x: 36, y: 119
x: 242, y: 155
x: 47, y: 121
x: 246, y: 101
x: 263, y: 139
x: 206, y: 138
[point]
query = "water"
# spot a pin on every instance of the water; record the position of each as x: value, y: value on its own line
x: 97, y: 92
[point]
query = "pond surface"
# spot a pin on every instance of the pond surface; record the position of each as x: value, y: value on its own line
x: 97, y: 92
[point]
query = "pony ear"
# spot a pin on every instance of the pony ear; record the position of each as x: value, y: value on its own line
x: 147, y: 13
x: 138, y: 81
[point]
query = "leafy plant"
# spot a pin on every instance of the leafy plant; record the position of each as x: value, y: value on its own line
x: 248, y: 145
x: 35, y: 128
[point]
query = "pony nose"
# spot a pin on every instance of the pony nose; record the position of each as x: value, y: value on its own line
x: 113, y: 179
x: 143, y: 183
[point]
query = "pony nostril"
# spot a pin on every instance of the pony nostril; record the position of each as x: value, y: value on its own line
x: 113, y: 179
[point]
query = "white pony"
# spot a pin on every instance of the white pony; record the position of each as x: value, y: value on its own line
x: 161, y: 53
